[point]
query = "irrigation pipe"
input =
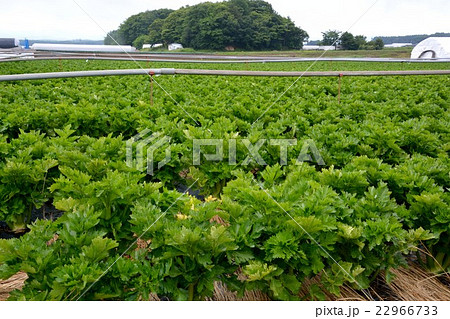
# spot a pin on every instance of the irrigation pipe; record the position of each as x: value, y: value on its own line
x: 203, y: 56
x: 160, y: 55
x: 309, y: 74
x: 217, y: 61
x: 142, y: 59
x: 76, y: 74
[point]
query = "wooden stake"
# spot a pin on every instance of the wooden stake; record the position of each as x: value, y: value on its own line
x: 339, y: 89
x: 151, y: 89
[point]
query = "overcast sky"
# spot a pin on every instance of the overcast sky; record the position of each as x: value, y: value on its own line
x: 63, y: 19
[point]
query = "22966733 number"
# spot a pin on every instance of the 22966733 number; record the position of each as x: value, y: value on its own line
x: 407, y: 311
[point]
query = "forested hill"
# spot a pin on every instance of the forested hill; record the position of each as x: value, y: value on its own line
x: 243, y: 24
x: 414, y: 39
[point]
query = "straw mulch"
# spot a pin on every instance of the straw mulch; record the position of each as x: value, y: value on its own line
x: 14, y: 282
x: 221, y: 293
x: 415, y: 284
x: 410, y: 284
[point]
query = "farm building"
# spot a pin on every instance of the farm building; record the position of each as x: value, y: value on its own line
x: 432, y: 48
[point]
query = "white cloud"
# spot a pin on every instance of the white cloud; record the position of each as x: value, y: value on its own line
x: 63, y: 19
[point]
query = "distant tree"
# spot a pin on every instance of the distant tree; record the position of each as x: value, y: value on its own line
x: 209, y: 25
x: 360, y: 41
x: 141, y: 40
x: 113, y: 37
x: 378, y: 44
x: 241, y: 10
x: 294, y: 37
x: 174, y: 28
x: 245, y: 24
x: 348, y: 42
x: 155, y: 31
x: 331, y: 37
x: 139, y: 24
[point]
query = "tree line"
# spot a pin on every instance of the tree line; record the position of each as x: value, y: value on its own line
x: 347, y: 41
x: 414, y: 39
x: 242, y: 24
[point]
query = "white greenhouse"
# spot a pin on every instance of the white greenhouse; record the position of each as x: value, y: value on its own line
x: 432, y: 48
x: 152, y: 46
x: 398, y: 45
x: 82, y: 47
x: 319, y: 47
x: 175, y: 46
